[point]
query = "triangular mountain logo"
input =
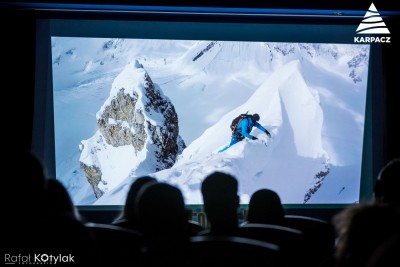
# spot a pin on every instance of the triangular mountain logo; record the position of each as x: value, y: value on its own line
x: 372, y: 23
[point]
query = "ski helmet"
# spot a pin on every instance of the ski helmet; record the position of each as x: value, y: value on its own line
x: 255, y: 117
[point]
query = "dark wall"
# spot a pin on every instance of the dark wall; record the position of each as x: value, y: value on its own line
x: 18, y: 65
x: 287, y: 4
x: 391, y: 57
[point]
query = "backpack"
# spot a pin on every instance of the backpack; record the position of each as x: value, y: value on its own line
x: 237, y: 120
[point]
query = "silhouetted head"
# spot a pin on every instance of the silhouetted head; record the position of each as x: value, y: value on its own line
x: 161, y: 211
x: 58, y: 200
x: 265, y: 207
x: 27, y: 186
x: 361, y: 229
x: 388, y: 183
x: 255, y: 117
x: 221, y: 200
x: 31, y: 173
x: 220, y: 188
x: 129, y: 208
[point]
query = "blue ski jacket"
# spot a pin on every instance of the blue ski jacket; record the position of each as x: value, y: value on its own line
x: 246, y: 125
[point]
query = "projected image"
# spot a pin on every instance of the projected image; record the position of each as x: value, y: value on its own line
x: 125, y: 108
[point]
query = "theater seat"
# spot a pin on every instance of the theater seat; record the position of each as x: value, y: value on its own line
x: 194, y: 228
x: 291, y: 241
x: 231, y: 251
x: 320, y: 235
x: 116, y: 245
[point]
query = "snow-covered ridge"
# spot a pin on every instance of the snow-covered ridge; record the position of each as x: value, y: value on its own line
x: 137, y: 125
x: 311, y: 97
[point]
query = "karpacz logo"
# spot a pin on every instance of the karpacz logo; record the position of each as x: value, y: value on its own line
x: 372, y: 39
x: 372, y: 24
x: 37, y: 258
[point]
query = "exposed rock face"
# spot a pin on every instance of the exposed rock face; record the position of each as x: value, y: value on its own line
x: 318, y: 181
x: 165, y: 136
x: 93, y: 175
x: 119, y: 118
x: 138, y: 116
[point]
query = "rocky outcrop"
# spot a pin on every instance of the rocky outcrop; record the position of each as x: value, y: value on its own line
x: 93, y: 175
x: 318, y: 180
x: 139, y: 116
x: 119, y: 119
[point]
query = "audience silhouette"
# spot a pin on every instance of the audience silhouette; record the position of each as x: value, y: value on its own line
x: 368, y: 234
x: 27, y: 187
x: 62, y: 229
x: 362, y: 229
x: 58, y: 201
x: 386, y: 254
x: 162, y: 217
x: 388, y: 184
x: 43, y: 219
x: 221, y: 203
x: 25, y: 199
x: 128, y: 218
x: 265, y: 206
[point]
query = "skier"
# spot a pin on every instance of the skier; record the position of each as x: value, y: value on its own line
x: 244, y: 128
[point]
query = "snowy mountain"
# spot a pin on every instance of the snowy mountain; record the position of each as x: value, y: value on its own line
x: 137, y: 125
x: 311, y: 97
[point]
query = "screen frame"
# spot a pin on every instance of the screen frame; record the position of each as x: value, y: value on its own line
x: 344, y: 25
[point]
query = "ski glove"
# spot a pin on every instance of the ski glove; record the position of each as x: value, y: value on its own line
x: 269, y: 135
x: 254, y: 138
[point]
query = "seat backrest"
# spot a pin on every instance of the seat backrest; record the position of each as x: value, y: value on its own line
x: 55, y: 234
x: 231, y: 251
x: 320, y: 234
x: 112, y: 233
x: 312, y: 227
x: 194, y: 228
x: 114, y: 243
x: 271, y: 233
x: 291, y: 241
